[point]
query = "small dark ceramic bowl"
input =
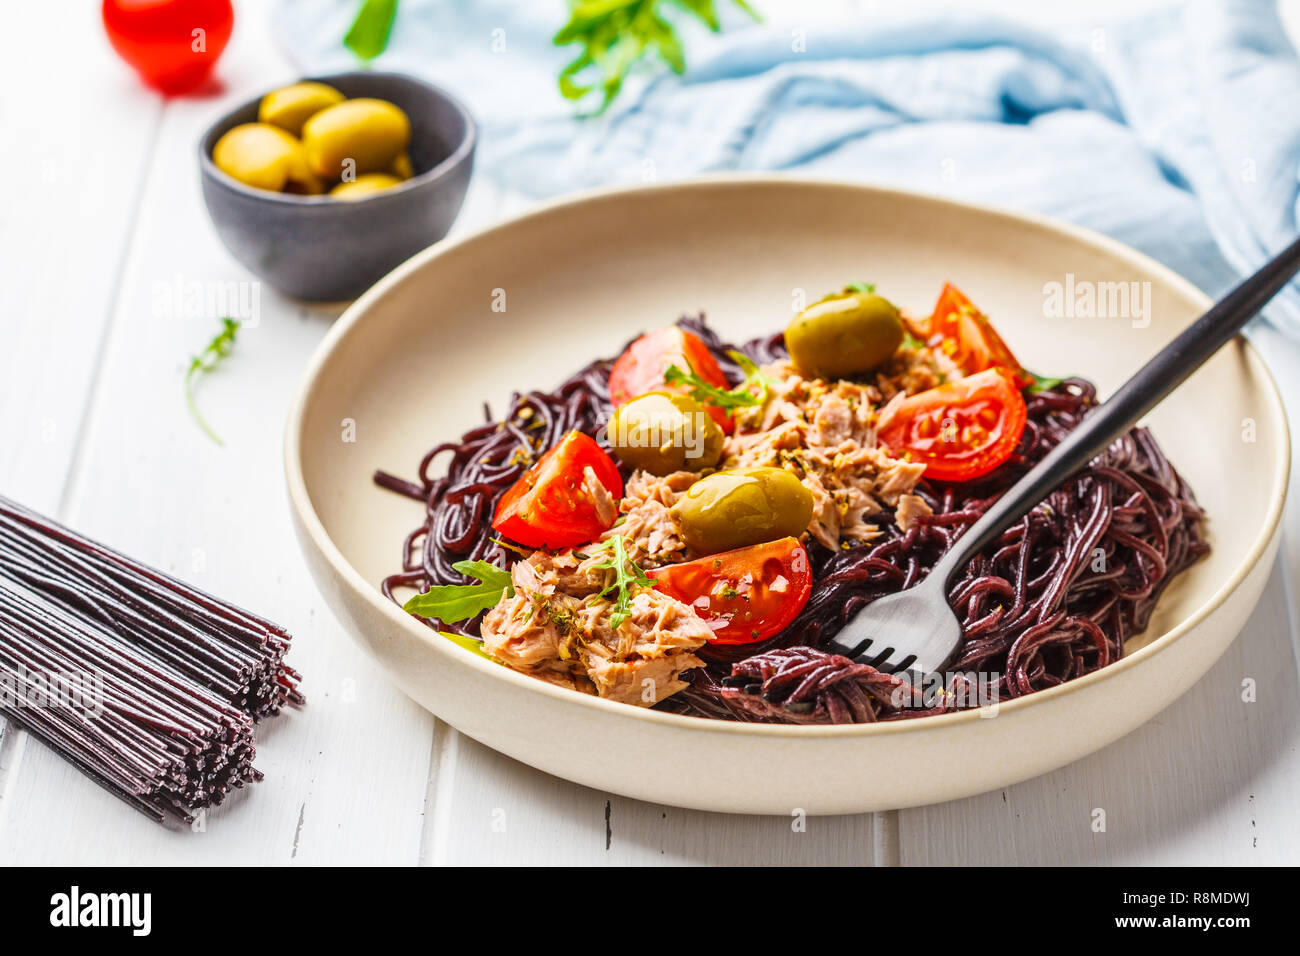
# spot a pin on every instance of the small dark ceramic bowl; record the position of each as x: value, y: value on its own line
x: 324, y: 249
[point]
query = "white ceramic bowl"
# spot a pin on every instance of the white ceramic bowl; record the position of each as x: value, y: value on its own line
x: 414, y: 358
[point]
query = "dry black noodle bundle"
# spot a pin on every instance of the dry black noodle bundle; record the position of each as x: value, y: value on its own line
x: 149, y: 686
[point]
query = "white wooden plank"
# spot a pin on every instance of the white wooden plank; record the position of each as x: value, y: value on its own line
x: 73, y: 157
x: 346, y: 776
x: 506, y: 813
x: 70, y: 201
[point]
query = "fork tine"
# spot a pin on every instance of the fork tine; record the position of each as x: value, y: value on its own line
x: 879, y: 661
x: 857, y: 651
x: 913, y: 628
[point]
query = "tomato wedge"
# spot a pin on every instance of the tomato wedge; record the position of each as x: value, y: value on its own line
x: 641, y: 368
x: 746, y: 595
x: 961, y: 430
x: 970, y: 339
x: 554, y: 504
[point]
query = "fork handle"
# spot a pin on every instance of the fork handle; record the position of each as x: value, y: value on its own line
x: 1166, y: 371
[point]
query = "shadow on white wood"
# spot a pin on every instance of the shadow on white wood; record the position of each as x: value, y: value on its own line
x: 495, y: 810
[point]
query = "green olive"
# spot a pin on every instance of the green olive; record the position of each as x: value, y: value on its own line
x: 291, y: 106
x: 304, y: 183
x: 364, y: 186
x: 259, y: 155
x: 844, y: 335
x: 301, y: 179
x: 744, y: 506
x: 363, y: 135
x: 401, y: 167
x: 662, y: 432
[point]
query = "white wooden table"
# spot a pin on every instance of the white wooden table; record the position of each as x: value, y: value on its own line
x: 101, y: 218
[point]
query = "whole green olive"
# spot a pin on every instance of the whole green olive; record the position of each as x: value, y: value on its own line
x: 740, y: 507
x: 364, y: 134
x: 663, y: 432
x: 301, y: 179
x: 844, y: 335
x: 291, y: 106
x: 365, y: 186
x: 401, y: 167
x: 260, y: 155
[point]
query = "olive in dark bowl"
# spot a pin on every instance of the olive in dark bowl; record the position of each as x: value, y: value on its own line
x: 325, y: 249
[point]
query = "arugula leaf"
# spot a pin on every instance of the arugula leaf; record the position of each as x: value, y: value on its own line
x: 617, y: 34
x: 485, y: 571
x: 1042, y: 384
x: 205, y: 362
x: 627, y: 576
x: 368, y: 35
x: 471, y: 645
x: 458, y: 602
x: 752, y: 391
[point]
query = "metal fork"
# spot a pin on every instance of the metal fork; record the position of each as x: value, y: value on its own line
x: 916, y: 629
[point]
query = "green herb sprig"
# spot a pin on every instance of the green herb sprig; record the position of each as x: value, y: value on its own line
x: 754, y: 390
x: 627, y: 576
x: 368, y: 35
x: 205, y: 362
x: 862, y: 288
x: 1042, y: 384
x: 617, y: 34
x: 458, y: 602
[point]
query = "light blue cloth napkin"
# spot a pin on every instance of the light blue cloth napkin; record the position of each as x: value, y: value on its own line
x: 1177, y: 133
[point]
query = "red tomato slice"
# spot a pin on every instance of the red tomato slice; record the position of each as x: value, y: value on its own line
x: 549, y: 507
x: 641, y: 368
x: 961, y: 430
x: 970, y: 339
x: 745, y: 595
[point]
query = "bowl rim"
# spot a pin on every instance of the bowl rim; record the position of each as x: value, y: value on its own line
x: 311, y: 526
x: 463, y: 150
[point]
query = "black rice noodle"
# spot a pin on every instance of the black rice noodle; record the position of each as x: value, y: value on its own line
x: 480, y: 468
x: 1055, y: 597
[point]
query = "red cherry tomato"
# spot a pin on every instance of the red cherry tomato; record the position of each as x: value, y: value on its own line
x: 552, y: 505
x: 970, y: 339
x: 173, y: 44
x: 745, y: 595
x: 641, y: 368
x: 961, y: 430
